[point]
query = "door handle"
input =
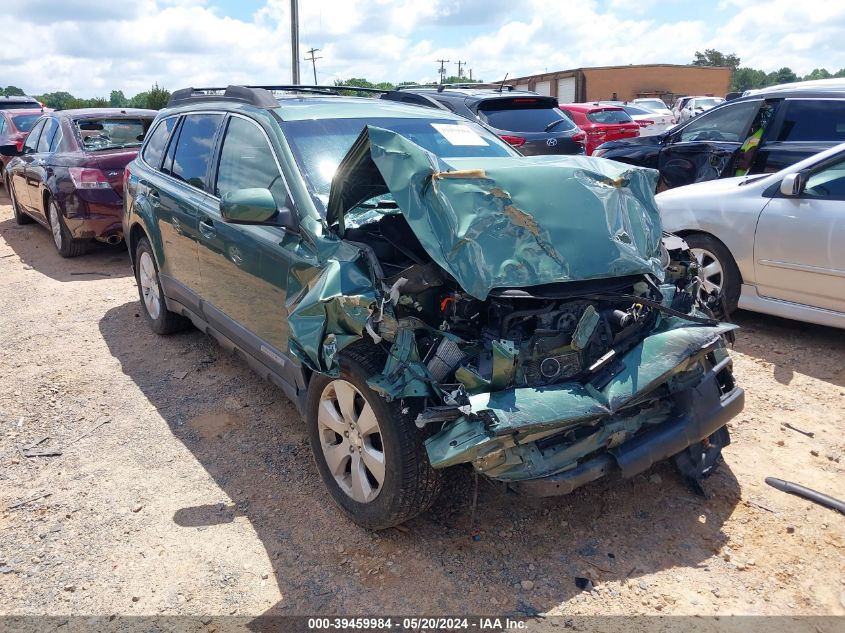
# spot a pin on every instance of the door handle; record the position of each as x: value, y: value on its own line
x: 207, y: 228
x: 155, y: 199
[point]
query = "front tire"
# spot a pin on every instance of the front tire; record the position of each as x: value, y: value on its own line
x: 20, y: 216
x: 369, y: 453
x: 718, y: 270
x: 161, y: 320
x: 62, y: 238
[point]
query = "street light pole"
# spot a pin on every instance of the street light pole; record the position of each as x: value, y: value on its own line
x: 294, y: 41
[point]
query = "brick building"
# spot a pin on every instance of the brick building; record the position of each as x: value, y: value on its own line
x: 625, y: 83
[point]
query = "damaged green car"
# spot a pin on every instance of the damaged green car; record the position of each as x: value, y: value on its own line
x: 428, y: 297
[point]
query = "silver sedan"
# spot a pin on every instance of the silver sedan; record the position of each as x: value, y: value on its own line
x: 770, y: 243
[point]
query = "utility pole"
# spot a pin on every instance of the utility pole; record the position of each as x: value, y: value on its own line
x: 294, y: 41
x: 443, y: 63
x: 470, y: 74
x: 313, y: 61
x: 460, y: 68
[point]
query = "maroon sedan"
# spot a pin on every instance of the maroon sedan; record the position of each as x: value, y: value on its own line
x: 68, y: 175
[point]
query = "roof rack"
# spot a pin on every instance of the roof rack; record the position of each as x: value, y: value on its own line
x: 261, y: 96
x: 498, y: 86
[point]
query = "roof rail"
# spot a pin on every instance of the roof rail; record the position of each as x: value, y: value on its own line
x: 459, y: 86
x: 261, y: 96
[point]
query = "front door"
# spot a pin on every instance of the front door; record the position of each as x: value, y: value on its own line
x: 39, y: 168
x: 798, y: 247
x: 706, y: 148
x: 19, y: 177
x: 180, y: 197
x: 244, y: 267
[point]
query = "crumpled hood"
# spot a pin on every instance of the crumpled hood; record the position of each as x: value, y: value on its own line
x: 509, y: 222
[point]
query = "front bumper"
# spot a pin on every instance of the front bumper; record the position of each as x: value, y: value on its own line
x: 708, y: 411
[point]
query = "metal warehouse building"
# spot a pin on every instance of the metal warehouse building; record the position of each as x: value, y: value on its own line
x: 623, y: 83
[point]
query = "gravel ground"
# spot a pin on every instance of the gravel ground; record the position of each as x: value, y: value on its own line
x: 185, y: 484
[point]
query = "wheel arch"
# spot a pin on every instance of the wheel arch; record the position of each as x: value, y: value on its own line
x: 684, y: 233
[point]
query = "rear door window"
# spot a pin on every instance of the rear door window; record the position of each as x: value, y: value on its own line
x: 154, y: 150
x: 516, y: 118
x: 32, y: 140
x: 819, y: 120
x: 727, y: 123
x: 609, y: 116
x: 194, y: 149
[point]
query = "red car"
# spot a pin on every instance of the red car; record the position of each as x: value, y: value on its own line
x: 14, y: 126
x: 601, y: 123
x: 68, y: 174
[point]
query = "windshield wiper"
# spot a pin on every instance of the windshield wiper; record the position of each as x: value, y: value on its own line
x: 553, y: 124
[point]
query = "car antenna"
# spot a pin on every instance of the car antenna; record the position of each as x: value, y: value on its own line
x: 502, y: 85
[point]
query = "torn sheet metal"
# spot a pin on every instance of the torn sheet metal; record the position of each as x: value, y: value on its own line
x: 501, y: 416
x: 508, y: 222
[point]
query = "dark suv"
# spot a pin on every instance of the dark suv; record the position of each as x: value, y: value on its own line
x: 796, y: 124
x: 530, y: 122
x: 426, y: 296
x: 19, y: 103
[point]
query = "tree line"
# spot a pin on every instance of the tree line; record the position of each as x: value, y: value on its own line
x: 744, y: 78
x: 154, y: 99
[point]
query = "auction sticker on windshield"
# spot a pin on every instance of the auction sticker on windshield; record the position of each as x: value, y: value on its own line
x: 459, y: 134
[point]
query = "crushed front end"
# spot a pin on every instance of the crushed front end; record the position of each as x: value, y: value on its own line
x: 533, y: 316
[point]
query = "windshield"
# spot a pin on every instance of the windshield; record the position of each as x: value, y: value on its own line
x: 635, y: 111
x: 519, y: 119
x: 111, y: 133
x: 24, y: 122
x: 609, y: 116
x: 707, y: 103
x: 319, y: 145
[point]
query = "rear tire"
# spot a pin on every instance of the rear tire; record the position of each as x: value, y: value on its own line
x: 408, y: 486
x: 161, y: 320
x: 62, y: 237
x: 718, y: 268
x: 20, y: 216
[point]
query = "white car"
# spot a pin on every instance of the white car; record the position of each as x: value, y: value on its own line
x: 652, y: 104
x: 770, y: 243
x: 696, y: 105
x: 651, y: 123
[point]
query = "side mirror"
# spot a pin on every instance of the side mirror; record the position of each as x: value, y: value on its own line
x: 255, y: 206
x: 792, y: 184
x: 9, y: 150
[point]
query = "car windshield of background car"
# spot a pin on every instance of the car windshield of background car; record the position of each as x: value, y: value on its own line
x: 521, y: 119
x: 609, y: 116
x: 24, y: 122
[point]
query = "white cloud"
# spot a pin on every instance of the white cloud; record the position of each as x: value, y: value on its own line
x: 89, y: 47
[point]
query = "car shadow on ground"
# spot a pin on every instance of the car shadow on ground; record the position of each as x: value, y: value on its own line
x: 33, y: 244
x: 508, y: 554
x: 792, y: 347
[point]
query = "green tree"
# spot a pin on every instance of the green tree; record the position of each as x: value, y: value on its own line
x: 362, y: 83
x: 818, y: 73
x: 712, y: 57
x: 57, y: 100
x: 139, y: 100
x: 13, y: 91
x: 117, y: 99
x: 157, y: 97
x: 839, y: 73
x: 782, y: 76
x: 747, y: 79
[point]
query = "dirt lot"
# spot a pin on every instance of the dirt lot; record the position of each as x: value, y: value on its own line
x: 185, y: 484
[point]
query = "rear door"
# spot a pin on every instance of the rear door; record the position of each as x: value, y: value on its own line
x: 801, y: 128
x: 19, y: 177
x: 798, y: 246
x: 244, y: 267
x: 706, y: 147
x: 180, y: 197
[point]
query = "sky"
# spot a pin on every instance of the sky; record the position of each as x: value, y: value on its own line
x: 90, y: 47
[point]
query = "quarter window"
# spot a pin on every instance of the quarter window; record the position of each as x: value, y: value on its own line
x: 247, y: 162
x: 822, y: 120
x: 154, y: 149
x: 194, y: 149
x: 727, y: 123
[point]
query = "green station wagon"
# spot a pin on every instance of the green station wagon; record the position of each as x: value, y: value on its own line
x: 427, y: 297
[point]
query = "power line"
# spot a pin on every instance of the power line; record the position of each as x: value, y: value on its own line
x: 313, y: 61
x: 443, y: 63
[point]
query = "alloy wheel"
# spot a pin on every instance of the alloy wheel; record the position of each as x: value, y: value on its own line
x: 55, y: 225
x: 350, y: 438
x: 149, y: 285
x: 710, y: 271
